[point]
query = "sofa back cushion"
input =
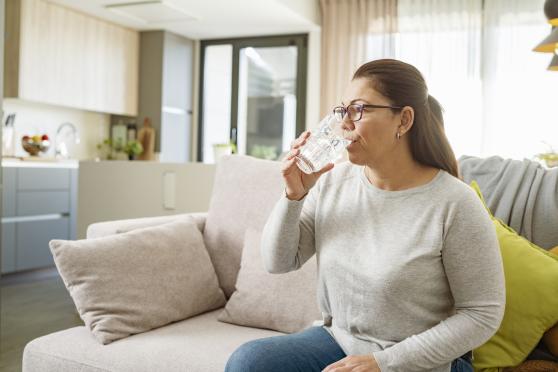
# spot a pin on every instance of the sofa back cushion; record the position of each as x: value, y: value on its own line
x: 521, y: 193
x: 282, y: 302
x: 531, y: 275
x: 244, y: 193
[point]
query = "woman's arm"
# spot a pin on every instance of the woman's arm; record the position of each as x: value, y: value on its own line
x: 473, y: 265
x: 288, y: 235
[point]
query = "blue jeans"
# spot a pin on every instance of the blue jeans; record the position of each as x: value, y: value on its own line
x: 310, y: 350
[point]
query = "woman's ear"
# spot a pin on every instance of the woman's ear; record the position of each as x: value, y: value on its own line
x: 407, y: 118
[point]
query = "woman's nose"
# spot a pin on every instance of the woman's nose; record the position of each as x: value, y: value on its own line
x: 347, y: 124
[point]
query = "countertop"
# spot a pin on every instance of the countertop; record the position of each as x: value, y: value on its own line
x: 40, y: 163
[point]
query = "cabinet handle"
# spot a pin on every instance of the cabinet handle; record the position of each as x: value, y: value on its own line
x: 43, y: 217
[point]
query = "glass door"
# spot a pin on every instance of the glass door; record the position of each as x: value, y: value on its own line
x: 252, y: 95
x: 266, y: 119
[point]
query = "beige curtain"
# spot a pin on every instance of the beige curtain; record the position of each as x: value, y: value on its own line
x: 353, y: 32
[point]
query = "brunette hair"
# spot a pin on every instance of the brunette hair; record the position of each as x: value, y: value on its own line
x: 404, y: 85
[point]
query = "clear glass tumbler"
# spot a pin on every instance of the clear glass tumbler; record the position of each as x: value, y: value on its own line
x: 325, y: 145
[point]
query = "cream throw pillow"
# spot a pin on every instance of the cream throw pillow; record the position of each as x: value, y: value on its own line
x: 282, y: 302
x: 130, y: 283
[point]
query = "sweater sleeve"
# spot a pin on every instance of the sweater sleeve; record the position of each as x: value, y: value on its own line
x: 473, y: 266
x: 288, y: 236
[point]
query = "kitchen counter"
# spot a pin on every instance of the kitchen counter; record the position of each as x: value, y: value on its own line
x: 43, y: 163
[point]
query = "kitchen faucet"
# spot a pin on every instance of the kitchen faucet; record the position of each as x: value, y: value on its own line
x: 60, y: 149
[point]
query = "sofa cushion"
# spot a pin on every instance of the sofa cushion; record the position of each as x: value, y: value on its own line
x: 531, y: 300
x: 282, y: 302
x: 130, y: 283
x: 100, y: 229
x: 551, y: 336
x: 198, y: 344
x: 244, y: 193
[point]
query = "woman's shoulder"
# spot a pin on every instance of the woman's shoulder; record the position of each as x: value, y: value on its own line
x: 457, y: 193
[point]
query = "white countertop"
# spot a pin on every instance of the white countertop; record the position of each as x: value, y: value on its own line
x: 40, y: 163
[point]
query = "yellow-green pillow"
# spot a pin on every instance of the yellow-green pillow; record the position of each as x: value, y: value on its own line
x: 531, y: 300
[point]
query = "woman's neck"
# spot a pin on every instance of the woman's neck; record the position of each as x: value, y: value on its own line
x: 399, y: 174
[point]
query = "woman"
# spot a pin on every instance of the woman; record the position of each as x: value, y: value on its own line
x: 410, y: 275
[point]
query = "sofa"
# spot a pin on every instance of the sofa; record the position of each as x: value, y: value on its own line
x: 244, y: 193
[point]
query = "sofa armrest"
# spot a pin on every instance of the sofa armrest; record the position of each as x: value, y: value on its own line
x: 100, y: 229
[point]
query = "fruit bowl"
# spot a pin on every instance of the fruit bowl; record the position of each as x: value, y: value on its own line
x: 34, y: 145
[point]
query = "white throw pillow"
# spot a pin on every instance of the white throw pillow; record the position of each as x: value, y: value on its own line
x: 130, y: 283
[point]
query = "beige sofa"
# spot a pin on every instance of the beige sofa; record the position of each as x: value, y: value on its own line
x: 244, y: 192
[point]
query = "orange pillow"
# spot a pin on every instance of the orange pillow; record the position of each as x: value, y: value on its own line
x: 550, y: 338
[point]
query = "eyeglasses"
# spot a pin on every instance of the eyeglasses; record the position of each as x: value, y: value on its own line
x: 355, y: 111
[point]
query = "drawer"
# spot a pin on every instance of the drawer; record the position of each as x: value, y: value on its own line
x: 32, y: 250
x: 33, y: 203
x: 43, y: 179
x: 8, y: 247
x: 9, y: 192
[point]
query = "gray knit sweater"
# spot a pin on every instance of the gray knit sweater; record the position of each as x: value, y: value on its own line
x: 413, y: 277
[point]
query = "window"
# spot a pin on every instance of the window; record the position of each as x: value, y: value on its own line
x: 477, y: 60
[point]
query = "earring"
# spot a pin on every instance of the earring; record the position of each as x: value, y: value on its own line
x: 398, y: 135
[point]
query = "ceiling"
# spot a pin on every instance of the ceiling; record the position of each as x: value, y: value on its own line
x: 212, y: 19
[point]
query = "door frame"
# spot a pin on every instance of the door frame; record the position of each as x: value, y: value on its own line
x: 298, y: 40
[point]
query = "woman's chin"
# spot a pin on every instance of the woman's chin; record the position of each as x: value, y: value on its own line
x: 355, y: 158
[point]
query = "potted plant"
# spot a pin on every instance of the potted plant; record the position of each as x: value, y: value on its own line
x: 550, y: 157
x: 133, y: 148
x: 221, y: 149
x: 264, y: 152
x: 116, y: 151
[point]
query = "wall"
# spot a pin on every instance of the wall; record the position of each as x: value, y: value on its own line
x: 114, y: 190
x: 313, y: 79
x: 37, y: 118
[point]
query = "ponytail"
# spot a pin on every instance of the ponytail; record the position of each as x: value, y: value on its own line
x: 429, y: 144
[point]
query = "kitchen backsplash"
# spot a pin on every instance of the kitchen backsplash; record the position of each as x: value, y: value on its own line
x: 37, y: 118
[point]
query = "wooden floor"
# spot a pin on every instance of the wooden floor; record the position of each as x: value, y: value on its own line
x: 32, y: 305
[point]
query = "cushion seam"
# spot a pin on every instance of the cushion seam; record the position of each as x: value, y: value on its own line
x: 31, y: 352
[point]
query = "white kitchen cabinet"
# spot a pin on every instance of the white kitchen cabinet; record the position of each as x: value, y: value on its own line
x: 59, y: 56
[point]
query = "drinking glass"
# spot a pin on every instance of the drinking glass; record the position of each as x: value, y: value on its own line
x: 325, y: 145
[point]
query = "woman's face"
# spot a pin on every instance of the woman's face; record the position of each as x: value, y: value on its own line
x: 374, y: 135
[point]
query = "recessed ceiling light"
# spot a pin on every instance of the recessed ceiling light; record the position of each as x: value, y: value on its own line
x: 151, y: 11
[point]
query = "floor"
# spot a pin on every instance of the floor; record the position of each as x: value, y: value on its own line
x: 32, y: 304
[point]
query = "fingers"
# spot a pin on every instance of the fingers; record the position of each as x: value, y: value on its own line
x: 337, y: 367
x: 291, y: 154
x: 301, y: 140
x: 326, y: 168
x: 332, y: 366
x: 288, y: 165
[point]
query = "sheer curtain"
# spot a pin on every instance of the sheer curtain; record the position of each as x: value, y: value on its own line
x: 442, y: 38
x: 520, y: 94
x: 347, y: 28
x: 477, y: 59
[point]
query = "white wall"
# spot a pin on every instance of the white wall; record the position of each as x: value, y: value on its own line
x: 313, y: 79
x: 37, y: 118
x: 113, y: 190
x: 307, y: 9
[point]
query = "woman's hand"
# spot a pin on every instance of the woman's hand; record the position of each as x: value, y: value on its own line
x: 354, y: 363
x: 298, y: 183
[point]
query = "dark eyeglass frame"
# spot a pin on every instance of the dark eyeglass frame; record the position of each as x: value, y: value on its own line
x: 360, y: 110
